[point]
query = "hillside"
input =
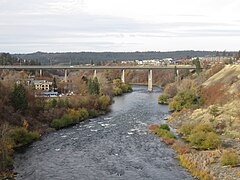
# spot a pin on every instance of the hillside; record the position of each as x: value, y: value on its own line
x: 229, y: 76
x: 221, y: 113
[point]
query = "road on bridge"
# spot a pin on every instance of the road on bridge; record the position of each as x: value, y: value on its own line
x: 95, y: 67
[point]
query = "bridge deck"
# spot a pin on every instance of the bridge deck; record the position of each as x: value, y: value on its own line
x: 95, y: 67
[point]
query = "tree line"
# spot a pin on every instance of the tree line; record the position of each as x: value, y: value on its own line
x: 8, y: 59
x: 76, y: 58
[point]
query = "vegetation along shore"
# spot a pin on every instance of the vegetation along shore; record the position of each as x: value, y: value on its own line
x: 26, y: 115
x: 206, y: 115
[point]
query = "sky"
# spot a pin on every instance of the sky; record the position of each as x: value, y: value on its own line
x: 118, y: 25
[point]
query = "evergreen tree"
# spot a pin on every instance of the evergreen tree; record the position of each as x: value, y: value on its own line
x: 196, y: 62
x: 54, y: 86
x: 19, y: 98
x: 93, y: 86
x: 175, y: 71
x: 90, y: 86
x: 96, y: 86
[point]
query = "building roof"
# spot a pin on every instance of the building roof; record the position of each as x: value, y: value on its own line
x: 49, y: 93
x: 35, y: 82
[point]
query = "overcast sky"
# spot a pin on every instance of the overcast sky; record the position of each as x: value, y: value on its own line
x: 118, y: 25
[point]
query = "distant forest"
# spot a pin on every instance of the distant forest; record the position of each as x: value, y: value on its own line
x: 76, y: 58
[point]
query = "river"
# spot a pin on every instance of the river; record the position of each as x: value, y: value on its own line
x: 116, y: 146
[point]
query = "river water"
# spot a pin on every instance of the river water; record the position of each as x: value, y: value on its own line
x: 116, y: 146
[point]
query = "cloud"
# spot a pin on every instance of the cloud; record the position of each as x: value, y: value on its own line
x: 89, y: 24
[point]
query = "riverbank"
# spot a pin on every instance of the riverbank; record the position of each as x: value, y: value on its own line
x: 70, y: 118
x: 206, y: 119
x: 24, y: 120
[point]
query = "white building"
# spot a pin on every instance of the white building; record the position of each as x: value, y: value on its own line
x: 42, y: 85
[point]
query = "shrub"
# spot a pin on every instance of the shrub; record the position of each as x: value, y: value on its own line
x: 62, y: 103
x: 165, y: 126
x: 165, y: 133
x: 125, y: 88
x: 229, y: 158
x: 83, y: 114
x: 117, y: 82
x: 203, y: 127
x: 74, y: 114
x: 72, y: 117
x: 196, y: 139
x: 181, y: 148
x: 184, y: 99
x: 214, y: 111
x: 64, y: 121
x: 6, y: 162
x: 186, y: 129
x: 120, y: 87
x: 53, y: 103
x: 203, y: 140
x: 212, y: 140
x: 168, y: 141
x: 117, y: 91
x: 201, y: 136
x: 6, y: 148
x: 171, y: 89
x: 92, y: 113
x: 163, y: 98
x: 129, y: 89
x: 153, y: 127
x: 22, y: 136
x: 104, y: 102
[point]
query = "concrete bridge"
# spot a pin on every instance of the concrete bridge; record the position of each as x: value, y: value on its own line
x: 95, y: 68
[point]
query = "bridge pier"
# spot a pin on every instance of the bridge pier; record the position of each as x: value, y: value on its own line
x: 65, y: 75
x: 40, y: 73
x: 177, y: 78
x: 150, y: 86
x: 123, y: 76
x: 94, y: 73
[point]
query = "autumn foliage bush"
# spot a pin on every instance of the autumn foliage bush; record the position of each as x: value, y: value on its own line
x: 192, y: 165
x: 171, y: 89
x: 214, y: 94
x: 181, y: 147
x: 167, y: 140
x: 153, y: 127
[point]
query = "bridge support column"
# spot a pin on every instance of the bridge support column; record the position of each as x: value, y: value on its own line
x: 65, y: 75
x: 123, y: 76
x: 94, y: 73
x: 177, y: 78
x: 40, y: 73
x: 150, y: 86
